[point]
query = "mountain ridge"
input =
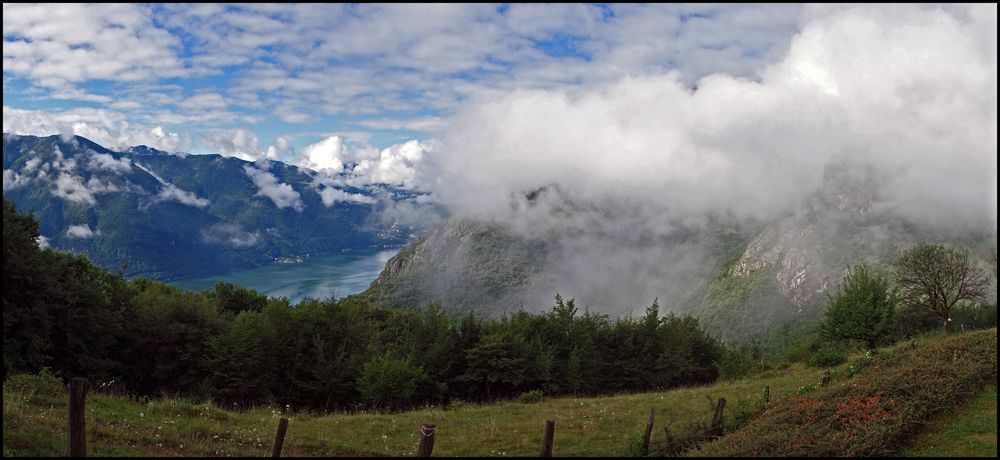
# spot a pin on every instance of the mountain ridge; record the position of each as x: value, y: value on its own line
x: 151, y: 213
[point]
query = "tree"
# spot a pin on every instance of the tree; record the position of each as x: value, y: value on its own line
x: 390, y: 382
x: 936, y: 278
x: 862, y: 309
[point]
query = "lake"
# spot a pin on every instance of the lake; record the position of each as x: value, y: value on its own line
x: 339, y: 274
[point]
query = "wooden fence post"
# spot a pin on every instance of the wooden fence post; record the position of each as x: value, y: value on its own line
x: 550, y: 429
x: 77, y: 430
x: 716, y: 429
x: 279, y: 439
x: 648, y: 434
x: 426, y: 440
x: 767, y: 395
x: 826, y: 379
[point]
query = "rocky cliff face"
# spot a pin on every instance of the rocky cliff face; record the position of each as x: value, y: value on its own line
x: 809, y: 251
x: 463, y: 265
x: 440, y: 243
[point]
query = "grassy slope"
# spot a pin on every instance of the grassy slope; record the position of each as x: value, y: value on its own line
x: 970, y: 432
x: 876, y: 412
x: 34, y: 423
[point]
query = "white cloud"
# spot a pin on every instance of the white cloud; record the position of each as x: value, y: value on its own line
x: 230, y: 235
x: 425, y: 124
x: 172, y: 192
x: 107, y: 162
x: 283, y: 195
x: 30, y: 165
x: 43, y: 241
x: 80, y: 231
x: 326, y: 155
x: 56, y: 44
x: 331, y: 196
x: 396, y: 165
x: 910, y: 88
x: 73, y: 189
x: 204, y: 101
x: 107, y: 128
x: 238, y: 143
x: 13, y: 181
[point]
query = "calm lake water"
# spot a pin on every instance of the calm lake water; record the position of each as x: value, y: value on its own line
x: 340, y: 275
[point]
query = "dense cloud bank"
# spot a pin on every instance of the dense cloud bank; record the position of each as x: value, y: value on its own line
x: 618, y: 171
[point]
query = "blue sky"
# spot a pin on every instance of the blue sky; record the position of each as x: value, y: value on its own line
x: 733, y: 109
x: 374, y: 75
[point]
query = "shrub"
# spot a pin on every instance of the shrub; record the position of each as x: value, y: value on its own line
x: 533, y: 396
x: 388, y: 382
x: 827, y: 356
x: 740, y: 414
x: 883, y: 405
x: 456, y: 403
x: 679, y: 439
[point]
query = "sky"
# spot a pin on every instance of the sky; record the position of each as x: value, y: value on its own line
x: 725, y: 108
x: 618, y: 129
x: 274, y: 79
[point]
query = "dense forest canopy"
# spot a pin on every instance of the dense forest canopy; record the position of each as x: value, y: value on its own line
x: 238, y: 347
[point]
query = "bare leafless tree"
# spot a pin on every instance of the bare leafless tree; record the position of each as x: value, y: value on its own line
x: 935, y: 277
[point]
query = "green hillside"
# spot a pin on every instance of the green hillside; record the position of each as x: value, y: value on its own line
x: 969, y: 432
x: 163, y: 216
x: 34, y: 414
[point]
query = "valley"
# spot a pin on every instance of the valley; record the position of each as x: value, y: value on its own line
x: 338, y: 274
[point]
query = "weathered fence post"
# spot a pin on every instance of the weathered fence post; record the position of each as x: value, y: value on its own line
x: 279, y: 439
x: 767, y: 395
x: 426, y: 440
x: 826, y: 379
x: 716, y: 429
x: 913, y: 344
x: 963, y: 328
x: 77, y: 430
x: 550, y: 429
x: 649, y: 432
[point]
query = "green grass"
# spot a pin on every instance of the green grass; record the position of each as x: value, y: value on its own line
x: 970, y: 432
x: 34, y: 419
x: 34, y: 423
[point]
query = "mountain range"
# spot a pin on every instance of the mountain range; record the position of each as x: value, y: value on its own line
x: 165, y: 216
x: 160, y: 215
x: 740, y: 278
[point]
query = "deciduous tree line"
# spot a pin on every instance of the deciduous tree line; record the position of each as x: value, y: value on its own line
x: 242, y: 349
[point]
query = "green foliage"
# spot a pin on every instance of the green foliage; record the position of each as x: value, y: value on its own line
x: 828, y: 355
x: 737, y: 361
x: 238, y: 348
x: 679, y: 438
x: 861, y: 309
x: 43, y: 383
x: 388, y: 382
x: 968, y: 432
x: 530, y: 397
x: 235, y: 299
x: 740, y: 413
x: 975, y: 316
